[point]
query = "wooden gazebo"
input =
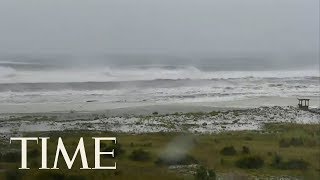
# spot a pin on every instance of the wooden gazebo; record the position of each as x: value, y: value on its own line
x: 303, y: 103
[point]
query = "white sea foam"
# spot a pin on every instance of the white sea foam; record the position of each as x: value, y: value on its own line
x: 105, y: 74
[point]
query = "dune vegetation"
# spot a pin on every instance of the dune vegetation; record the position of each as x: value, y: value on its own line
x: 279, y: 150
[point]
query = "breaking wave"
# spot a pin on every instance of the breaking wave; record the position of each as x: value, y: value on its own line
x: 106, y: 74
x: 7, y: 72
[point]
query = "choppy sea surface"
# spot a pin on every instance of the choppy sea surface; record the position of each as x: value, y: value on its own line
x: 40, y: 81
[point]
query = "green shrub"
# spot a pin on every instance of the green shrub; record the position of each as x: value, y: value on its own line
x: 140, y: 155
x: 250, y: 162
x: 228, y: 151
x: 291, y: 142
x: 245, y: 150
x: 296, y: 141
x: 118, y: 150
x: 283, y: 143
x: 277, y: 160
x: 148, y: 144
x: 248, y: 138
x: 184, y: 160
x: 10, y: 157
x: 34, y: 153
x: 297, y: 164
x: 118, y: 172
x: 221, y: 161
x: 203, y: 173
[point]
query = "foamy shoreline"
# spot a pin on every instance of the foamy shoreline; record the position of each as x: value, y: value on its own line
x: 149, y: 107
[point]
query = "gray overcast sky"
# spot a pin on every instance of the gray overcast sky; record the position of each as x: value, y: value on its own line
x: 178, y: 26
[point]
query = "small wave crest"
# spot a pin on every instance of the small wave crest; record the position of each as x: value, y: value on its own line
x: 6, y: 72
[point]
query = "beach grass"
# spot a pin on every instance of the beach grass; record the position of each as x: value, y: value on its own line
x: 138, y: 154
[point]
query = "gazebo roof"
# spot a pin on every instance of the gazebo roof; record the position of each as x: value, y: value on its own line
x: 303, y: 99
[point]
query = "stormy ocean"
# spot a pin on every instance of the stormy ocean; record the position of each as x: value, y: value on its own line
x: 131, y: 80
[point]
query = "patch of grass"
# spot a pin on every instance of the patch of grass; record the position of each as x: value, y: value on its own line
x: 10, y: 157
x: 58, y: 176
x: 149, y: 144
x: 13, y: 175
x: 51, y: 176
x: 184, y: 160
x: 206, y: 151
x: 248, y: 138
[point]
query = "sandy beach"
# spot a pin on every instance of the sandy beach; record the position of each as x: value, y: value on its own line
x: 145, y: 108
x: 157, y: 118
x: 192, y: 117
